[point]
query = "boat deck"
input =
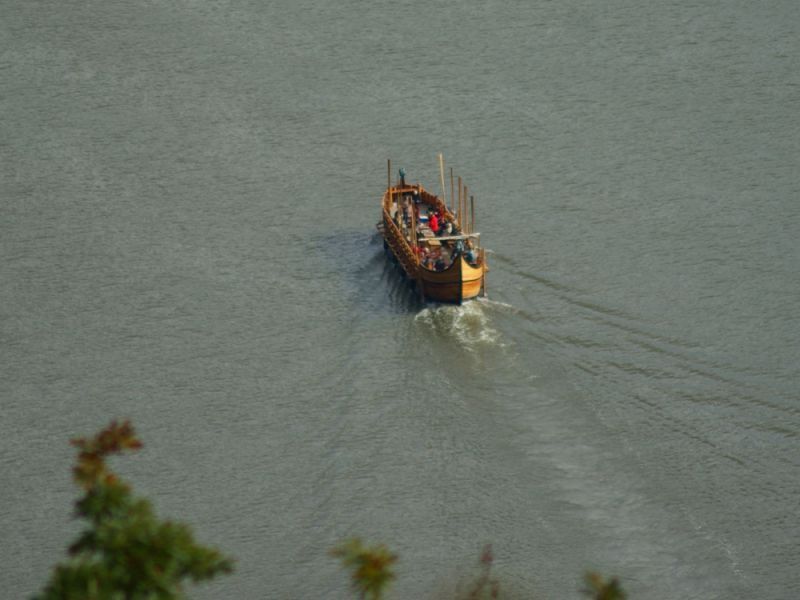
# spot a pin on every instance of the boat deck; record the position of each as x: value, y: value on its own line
x: 427, y: 240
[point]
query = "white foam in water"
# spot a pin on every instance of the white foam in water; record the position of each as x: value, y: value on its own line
x: 496, y: 304
x: 468, y: 323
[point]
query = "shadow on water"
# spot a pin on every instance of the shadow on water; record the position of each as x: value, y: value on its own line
x: 366, y: 276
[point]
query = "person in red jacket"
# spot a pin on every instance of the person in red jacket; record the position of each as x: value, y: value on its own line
x: 434, y: 223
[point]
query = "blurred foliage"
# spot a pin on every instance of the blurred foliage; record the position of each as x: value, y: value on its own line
x: 370, y: 574
x: 598, y: 588
x: 125, y: 551
x: 370, y: 567
x: 485, y: 586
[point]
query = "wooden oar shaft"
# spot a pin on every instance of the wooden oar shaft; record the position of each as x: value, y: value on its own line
x: 447, y: 238
x: 460, y: 215
x: 452, y: 193
x: 472, y: 213
x: 441, y: 176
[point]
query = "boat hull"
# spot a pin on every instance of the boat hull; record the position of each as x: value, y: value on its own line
x: 458, y: 282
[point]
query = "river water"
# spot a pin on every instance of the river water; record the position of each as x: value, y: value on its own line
x: 189, y: 192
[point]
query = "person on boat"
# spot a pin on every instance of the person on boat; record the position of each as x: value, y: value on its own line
x: 407, y: 208
x: 459, y: 247
x: 402, y: 174
x: 433, y: 222
x: 440, y: 265
x: 471, y: 256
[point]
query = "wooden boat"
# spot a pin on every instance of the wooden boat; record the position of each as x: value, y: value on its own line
x: 446, y: 267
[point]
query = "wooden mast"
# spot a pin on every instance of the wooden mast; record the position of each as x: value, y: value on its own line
x: 472, y: 213
x: 413, y: 226
x: 441, y: 176
x: 452, y: 194
x: 389, y: 185
x: 460, y: 213
x: 465, y: 221
x: 466, y: 214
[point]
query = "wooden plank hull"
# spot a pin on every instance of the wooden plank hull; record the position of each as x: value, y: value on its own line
x: 458, y: 282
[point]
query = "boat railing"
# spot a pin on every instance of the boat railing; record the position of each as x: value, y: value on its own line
x: 401, y: 250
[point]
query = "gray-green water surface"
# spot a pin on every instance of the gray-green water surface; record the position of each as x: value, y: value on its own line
x: 188, y: 193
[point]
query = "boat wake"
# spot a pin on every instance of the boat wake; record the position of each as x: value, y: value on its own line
x: 469, y: 323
